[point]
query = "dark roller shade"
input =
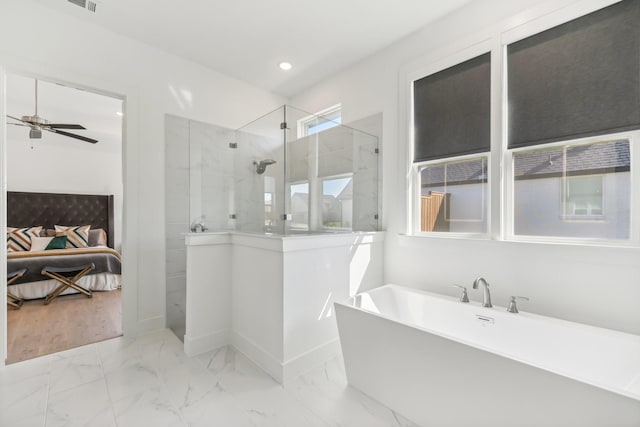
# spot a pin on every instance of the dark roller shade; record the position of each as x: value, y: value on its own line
x: 451, y: 111
x: 578, y: 79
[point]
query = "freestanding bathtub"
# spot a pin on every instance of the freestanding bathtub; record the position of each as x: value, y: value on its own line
x: 441, y: 363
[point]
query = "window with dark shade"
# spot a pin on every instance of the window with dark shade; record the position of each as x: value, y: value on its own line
x: 451, y: 111
x: 576, y: 80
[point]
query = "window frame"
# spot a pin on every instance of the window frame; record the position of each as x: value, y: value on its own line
x: 321, y: 180
x: 307, y: 122
x: 417, y: 193
x: 414, y: 72
x: 508, y: 196
x: 588, y: 216
x: 293, y: 225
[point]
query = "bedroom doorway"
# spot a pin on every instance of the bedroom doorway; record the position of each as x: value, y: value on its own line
x: 64, y: 210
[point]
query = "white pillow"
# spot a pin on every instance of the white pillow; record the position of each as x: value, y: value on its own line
x: 40, y: 243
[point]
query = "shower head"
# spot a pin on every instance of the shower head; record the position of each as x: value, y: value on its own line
x: 262, y: 165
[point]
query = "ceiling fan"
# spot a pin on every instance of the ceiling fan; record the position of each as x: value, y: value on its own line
x: 37, y: 124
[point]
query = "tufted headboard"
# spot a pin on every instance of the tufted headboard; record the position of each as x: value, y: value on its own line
x: 48, y: 209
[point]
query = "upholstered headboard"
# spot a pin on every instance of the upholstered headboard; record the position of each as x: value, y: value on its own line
x: 48, y: 209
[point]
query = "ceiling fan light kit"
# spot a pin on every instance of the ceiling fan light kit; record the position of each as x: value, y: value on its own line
x: 35, y: 133
x: 37, y: 124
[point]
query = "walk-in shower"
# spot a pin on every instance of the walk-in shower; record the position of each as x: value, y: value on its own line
x: 287, y: 172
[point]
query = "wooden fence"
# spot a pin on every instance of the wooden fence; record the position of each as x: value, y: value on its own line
x: 432, y: 211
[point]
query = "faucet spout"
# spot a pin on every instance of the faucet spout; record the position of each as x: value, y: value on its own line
x: 486, y: 299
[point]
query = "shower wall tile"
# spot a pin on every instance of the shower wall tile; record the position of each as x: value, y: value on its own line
x: 218, y: 178
x: 212, y: 159
x: 175, y: 234
x: 366, y: 180
x: 177, y: 142
x: 365, y: 185
x: 176, y: 169
x: 177, y: 204
x: 177, y: 195
x: 176, y: 262
x: 299, y: 158
x: 336, y: 151
x: 177, y: 284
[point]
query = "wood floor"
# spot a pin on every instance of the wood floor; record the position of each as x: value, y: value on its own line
x: 69, y: 321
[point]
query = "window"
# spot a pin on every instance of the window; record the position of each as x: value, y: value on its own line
x: 568, y: 128
x: 453, y: 196
x: 451, y: 114
x: 564, y: 119
x: 322, y: 120
x: 575, y: 191
x: 337, y: 202
x: 299, y: 205
x: 268, y: 210
x: 584, y: 197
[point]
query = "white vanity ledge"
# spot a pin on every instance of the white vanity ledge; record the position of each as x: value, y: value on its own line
x: 207, y: 238
x: 279, y: 243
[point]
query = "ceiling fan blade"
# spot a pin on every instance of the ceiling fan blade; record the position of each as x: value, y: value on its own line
x: 18, y: 124
x: 73, y: 135
x: 64, y: 126
x: 15, y: 118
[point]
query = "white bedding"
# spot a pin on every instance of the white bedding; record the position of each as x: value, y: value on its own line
x: 40, y: 289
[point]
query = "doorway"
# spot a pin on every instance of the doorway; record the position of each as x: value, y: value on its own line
x: 69, y: 181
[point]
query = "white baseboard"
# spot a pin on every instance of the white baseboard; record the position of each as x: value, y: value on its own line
x: 285, y: 372
x: 257, y: 355
x: 194, y: 346
x: 151, y: 324
x: 302, y: 364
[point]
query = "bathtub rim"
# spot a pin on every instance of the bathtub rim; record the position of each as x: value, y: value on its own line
x: 626, y: 392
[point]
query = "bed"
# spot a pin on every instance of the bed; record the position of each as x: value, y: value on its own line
x: 25, y: 209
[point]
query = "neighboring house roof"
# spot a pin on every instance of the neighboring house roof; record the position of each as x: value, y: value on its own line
x: 469, y: 172
x: 606, y: 157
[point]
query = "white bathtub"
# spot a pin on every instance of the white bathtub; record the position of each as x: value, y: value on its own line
x: 441, y: 362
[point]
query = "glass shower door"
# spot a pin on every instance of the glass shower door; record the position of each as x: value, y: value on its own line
x: 259, y: 175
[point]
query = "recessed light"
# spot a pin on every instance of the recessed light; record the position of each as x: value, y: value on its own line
x: 286, y: 66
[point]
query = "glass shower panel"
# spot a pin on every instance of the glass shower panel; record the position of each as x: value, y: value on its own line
x: 211, y: 175
x: 347, y: 180
x: 259, y: 162
x: 300, y: 172
x: 366, y: 181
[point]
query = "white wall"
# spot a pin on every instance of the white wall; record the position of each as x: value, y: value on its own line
x: 154, y: 83
x: 595, y: 285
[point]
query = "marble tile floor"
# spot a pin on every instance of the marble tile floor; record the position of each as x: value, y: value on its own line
x: 149, y: 381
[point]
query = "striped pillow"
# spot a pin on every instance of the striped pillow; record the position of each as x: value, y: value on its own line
x: 19, y: 239
x: 77, y: 236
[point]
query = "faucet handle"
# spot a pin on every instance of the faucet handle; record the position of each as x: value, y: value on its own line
x: 513, y: 308
x: 464, y: 297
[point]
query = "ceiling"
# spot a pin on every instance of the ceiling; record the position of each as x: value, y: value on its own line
x: 247, y: 39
